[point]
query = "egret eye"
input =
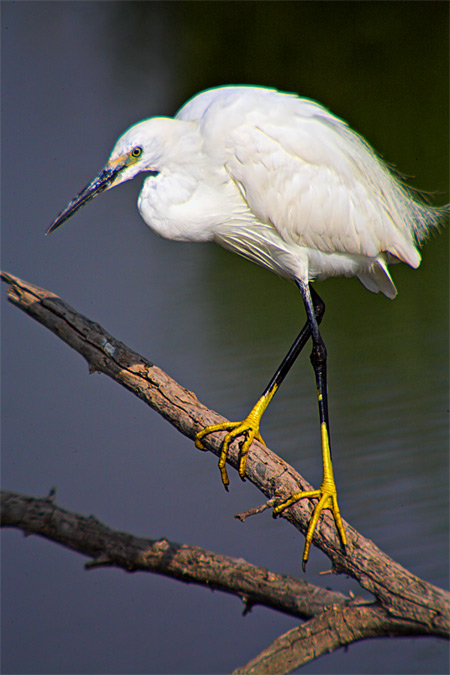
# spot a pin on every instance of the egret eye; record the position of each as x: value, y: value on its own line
x: 136, y: 152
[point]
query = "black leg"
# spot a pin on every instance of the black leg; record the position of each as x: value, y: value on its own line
x: 319, y: 352
x: 249, y: 428
x: 326, y: 494
x: 318, y: 309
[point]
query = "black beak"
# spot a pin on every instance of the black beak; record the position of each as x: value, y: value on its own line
x: 100, y: 183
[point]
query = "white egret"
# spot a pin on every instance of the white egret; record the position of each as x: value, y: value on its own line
x: 281, y: 181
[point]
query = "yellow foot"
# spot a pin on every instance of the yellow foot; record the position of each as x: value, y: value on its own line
x: 234, y: 429
x: 248, y: 428
x: 327, y: 497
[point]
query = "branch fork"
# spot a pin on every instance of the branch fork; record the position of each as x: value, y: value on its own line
x: 402, y: 605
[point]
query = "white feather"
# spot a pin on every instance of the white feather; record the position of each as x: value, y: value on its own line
x: 277, y: 179
x: 311, y: 180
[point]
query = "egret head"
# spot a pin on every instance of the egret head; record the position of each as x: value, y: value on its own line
x: 143, y: 147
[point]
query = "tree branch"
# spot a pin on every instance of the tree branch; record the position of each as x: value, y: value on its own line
x: 405, y: 603
x: 335, y: 620
x: 191, y: 564
x: 335, y: 627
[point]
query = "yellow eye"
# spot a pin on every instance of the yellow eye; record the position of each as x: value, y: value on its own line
x: 136, y: 152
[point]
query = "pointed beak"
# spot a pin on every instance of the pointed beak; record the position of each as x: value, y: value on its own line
x: 102, y: 182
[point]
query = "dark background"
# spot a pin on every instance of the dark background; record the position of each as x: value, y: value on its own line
x: 74, y: 77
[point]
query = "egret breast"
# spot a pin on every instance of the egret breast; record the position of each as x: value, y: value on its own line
x: 184, y: 207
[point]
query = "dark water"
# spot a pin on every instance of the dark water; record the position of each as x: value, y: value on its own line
x: 75, y: 75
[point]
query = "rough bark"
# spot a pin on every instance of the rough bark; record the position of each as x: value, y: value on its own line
x: 404, y: 603
x: 192, y: 564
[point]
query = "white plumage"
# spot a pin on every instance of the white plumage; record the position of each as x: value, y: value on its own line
x: 283, y: 182
x: 277, y: 179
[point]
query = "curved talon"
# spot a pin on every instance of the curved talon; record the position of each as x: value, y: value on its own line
x: 327, y: 497
x: 248, y: 427
x: 213, y: 427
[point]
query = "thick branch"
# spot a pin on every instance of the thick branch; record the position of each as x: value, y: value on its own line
x: 192, y: 564
x: 403, y: 595
x: 335, y: 620
x: 336, y: 627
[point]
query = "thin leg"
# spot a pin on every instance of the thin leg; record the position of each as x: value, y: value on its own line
x: 326, y: 494
x: 250, y: 426
x: 318, y: 309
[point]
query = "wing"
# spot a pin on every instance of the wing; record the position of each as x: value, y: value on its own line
x: 319, y: 189
x: 305, y: 173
